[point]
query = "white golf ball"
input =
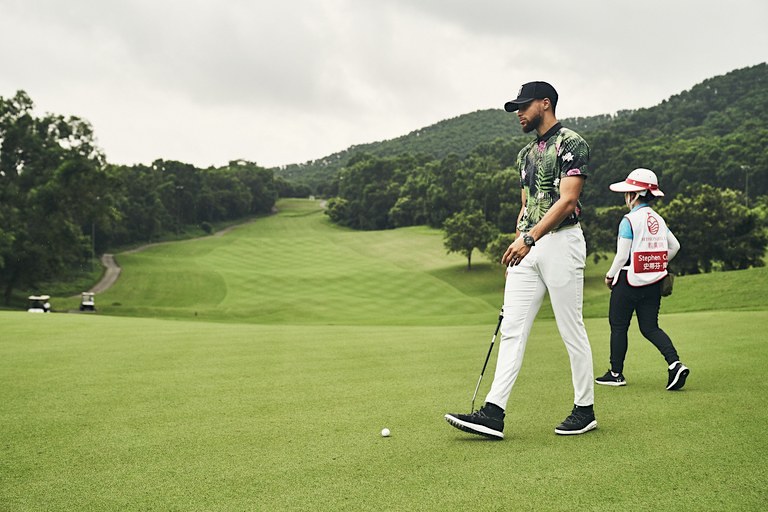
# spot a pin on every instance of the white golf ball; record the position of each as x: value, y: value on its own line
x: 385, y: 432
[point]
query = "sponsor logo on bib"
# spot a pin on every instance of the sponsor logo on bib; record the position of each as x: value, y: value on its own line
x: 653, y: 224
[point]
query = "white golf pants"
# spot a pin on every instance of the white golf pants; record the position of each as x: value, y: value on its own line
x: 554, y: 264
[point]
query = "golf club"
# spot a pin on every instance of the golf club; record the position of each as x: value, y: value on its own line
x: 488, y: 356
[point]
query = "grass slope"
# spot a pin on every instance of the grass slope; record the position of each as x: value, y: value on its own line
x: 320, y: 338
x: 296, y: 268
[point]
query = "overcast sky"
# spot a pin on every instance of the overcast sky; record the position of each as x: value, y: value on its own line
x: 286, y: 81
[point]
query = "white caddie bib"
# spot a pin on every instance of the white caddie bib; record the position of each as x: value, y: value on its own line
x: 650, y: 251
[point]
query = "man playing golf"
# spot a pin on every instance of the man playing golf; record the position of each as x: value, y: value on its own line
x: 548, y: 255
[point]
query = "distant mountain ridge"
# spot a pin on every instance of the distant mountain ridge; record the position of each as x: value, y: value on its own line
x: 714, y: 107
x: 459, y: 135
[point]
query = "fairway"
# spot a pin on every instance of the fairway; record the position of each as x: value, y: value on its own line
x: 297, y: 268
x: 255, y: 370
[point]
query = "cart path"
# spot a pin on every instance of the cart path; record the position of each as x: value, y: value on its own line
x: 113, y: 270
x: 110, y: 275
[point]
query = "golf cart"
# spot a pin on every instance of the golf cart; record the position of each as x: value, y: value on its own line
x: 39, y: 304
x: 88, y: 303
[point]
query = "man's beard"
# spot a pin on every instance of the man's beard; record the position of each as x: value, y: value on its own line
x: 533, y: 124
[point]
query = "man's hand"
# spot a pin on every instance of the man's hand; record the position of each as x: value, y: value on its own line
x: 515, y: 252
x: 609, y: 282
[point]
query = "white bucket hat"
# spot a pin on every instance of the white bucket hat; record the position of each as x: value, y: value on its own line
x: 639, y: 180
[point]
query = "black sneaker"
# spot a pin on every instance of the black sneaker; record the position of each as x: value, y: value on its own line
x: 609, y: 380
x: 677, y: 376
x: 488, y: 421
x: 582, y: 419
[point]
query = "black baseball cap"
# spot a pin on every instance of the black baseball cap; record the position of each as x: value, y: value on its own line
x: 532, y: 91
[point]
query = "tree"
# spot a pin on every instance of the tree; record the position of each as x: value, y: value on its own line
x: 498, y: 246
x: 369, y: 187
x: 53, y: 188
x: 140, y: 202
x: 287, y: 188
x: 465, y: 231
x: 716, y: 230
x: 259, y: 182
x: 338, y: 210
x: 600, y: 227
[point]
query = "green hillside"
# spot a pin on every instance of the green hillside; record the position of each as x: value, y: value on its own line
x: 718, y: 114
x: 460, y: 135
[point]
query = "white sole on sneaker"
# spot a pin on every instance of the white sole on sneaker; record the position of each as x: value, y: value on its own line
x: 592, y: 426
x: 612, y: 383
x: 682, y: 374
x: 473, y: 428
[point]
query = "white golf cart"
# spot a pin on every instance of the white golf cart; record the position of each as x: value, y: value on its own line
x: 88, y: 302
x: 39, y: 304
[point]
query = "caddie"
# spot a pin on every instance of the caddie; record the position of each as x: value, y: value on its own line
x: 644, y: 247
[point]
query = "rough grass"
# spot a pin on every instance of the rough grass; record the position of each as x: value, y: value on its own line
x: 281, y: 409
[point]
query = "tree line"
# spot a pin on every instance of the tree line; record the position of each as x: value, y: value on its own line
x: 708, y: 145
x: 62, y: 203
x: 477, y: 200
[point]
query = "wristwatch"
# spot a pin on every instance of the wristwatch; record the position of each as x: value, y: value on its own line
x: 528, y: 240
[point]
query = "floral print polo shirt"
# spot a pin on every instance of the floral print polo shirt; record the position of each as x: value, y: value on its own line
x: 542, y: 163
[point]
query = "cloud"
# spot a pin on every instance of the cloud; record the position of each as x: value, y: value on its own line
x: 207, y: 81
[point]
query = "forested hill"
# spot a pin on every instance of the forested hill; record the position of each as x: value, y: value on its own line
x: 460, y: 135
x: 715, y: 108
x: 715, y: 134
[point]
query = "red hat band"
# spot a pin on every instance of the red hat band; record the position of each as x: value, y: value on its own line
x: 649, y: 186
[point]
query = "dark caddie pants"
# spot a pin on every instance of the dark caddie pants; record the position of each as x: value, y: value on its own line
x: 645, y: 301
